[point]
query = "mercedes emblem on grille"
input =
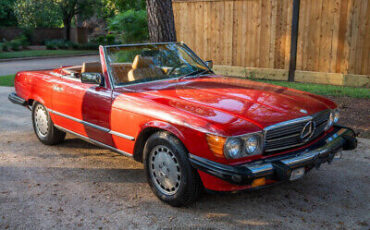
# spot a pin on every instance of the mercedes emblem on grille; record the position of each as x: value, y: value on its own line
x: 307, y: 131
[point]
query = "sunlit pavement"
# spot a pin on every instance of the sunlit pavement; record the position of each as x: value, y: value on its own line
x: 78, y: 185
x: 13, y: 67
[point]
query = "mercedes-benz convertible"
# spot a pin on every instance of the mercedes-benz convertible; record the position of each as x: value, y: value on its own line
x: 193, y: 129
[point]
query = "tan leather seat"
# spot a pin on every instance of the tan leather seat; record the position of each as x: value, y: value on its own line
x: 142, y: 68
x: 91, y: 67
x: 120, y: 72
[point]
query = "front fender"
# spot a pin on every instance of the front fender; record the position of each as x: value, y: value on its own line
x: 164, y: 126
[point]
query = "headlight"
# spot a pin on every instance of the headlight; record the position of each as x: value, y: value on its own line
x: 336, y: 116
x: 333, y: 118
x: 252, y: 144
x: 233, y: 148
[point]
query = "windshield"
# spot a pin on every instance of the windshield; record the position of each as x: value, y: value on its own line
x: 148, y: 62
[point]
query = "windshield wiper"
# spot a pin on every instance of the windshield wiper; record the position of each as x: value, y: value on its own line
x: 196, y: 73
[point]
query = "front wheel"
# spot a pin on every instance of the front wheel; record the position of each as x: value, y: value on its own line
x: 44, y: 127
x: 168, y: 170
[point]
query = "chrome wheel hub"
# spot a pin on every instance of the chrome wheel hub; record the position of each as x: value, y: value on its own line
x: 164, y: 170
x: 41, y: 120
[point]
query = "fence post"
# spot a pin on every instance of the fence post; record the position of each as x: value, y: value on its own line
x: 294, y: 39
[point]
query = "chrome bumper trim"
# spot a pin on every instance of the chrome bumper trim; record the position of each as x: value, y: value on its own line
x: 279, y: 167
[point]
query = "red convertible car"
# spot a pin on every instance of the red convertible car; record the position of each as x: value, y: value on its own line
x: 164, y: 106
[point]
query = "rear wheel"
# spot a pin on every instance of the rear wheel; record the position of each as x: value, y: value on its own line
x: 168, y: 170
x: 44, y: 127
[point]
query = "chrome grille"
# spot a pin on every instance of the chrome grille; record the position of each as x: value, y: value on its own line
x: 287, y: 134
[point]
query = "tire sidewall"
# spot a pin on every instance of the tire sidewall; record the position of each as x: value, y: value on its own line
x: 187, y: 174
x: 47, y: 138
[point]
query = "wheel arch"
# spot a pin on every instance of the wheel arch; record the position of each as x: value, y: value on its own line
x: 150, y: 128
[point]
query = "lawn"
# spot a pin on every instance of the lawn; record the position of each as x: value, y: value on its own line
x: 7, y: 80
x: 41, y: 53
x: 325, y: 90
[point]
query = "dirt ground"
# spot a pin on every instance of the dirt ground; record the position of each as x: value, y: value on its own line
x: 355, y: 113
x: 76, y: 185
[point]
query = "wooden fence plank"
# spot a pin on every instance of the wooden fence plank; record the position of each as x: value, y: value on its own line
x: 333, y: 35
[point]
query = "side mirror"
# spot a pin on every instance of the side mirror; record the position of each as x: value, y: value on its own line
x: 92, y: 78
x: 209, y: 64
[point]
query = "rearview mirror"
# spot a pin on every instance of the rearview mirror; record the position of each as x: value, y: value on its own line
x: 92, y: 78
x: 209, y: 64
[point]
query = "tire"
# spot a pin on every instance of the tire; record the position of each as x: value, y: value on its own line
x: 44, y: 127
x: 181, y: 185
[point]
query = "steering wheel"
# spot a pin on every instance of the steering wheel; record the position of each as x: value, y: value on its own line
x: 176, y: 67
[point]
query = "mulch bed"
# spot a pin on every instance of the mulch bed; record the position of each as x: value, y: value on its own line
x: 355, y: 113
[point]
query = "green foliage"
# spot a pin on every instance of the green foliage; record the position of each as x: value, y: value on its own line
x: 130, y: 26
x: 108, y: 39
x: 5, y: 46
x: 124, y: 5
x: 112, y: 7
x: 63, y: 44
x: 37, y: 13
x: 7, y: 80
x: 89, y: 46
x: 7, y: 16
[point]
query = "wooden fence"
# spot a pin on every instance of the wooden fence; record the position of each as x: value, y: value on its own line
x: 333, y: 35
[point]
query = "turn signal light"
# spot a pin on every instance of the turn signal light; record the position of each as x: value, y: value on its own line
x: 216, y: 144
x: 258, y: 182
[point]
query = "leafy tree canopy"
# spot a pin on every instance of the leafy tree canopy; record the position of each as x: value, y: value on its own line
x: 37, y: 13
x: 7, y: 16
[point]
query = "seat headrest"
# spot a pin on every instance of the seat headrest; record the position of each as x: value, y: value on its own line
x: 94, y: 67
x: 142, y: 62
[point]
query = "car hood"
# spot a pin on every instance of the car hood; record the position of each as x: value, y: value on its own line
x: 233, y: 105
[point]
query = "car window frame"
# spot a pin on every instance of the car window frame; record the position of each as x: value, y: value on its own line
x: 109, y: 69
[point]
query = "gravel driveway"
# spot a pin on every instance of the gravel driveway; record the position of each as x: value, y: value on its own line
x: 76, y: 185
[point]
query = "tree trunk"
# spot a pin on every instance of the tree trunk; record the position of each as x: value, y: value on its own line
x: 161, y: 22
x: 67, y: 29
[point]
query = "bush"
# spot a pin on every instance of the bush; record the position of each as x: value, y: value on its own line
x: 6, y: 46
x: 51, y: 45
x: 130, y: 26
x: 15, y: 44
x: 23, y: 40
x: 109, y: 39
x: 89, y: 46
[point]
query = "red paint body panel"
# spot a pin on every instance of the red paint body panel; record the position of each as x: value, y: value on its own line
x: 188, y: 108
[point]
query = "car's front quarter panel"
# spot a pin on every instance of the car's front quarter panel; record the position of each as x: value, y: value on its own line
x: 132, y: 115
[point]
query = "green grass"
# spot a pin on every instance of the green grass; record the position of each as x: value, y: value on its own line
x: 42, y: 53
x: 7, y: 80
x: 325, y: 90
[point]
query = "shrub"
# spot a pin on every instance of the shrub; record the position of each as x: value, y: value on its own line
x: 89, y: 46
x: 15, y: 44
x: 108, y: 39
x: 130, y: 26
x: 51, y: 45
x: 23, y: 40
x: 6, y: 46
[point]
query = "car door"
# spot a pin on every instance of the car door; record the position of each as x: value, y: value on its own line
x: 83, y: 108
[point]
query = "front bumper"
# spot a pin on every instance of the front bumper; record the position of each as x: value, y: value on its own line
x: 279, y: 168
x: 13, y: 97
